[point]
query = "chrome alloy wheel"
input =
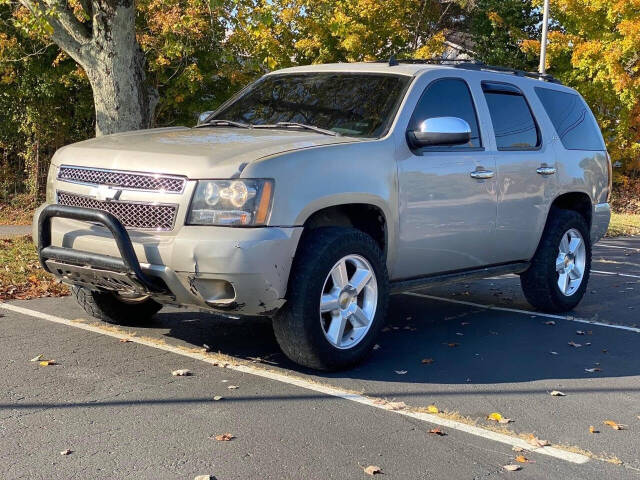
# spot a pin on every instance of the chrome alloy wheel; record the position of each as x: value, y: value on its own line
x: 571, y: 261
x: 348, y: 301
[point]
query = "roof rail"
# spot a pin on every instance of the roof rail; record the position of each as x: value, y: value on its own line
x: 471, y: 65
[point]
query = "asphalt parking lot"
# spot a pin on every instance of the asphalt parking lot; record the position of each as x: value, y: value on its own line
x: 122, y: 414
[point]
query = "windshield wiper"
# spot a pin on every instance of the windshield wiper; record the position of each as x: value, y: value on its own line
x: 219, y: 122
x: 299, y: 125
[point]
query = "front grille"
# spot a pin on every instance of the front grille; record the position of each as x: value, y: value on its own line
x: 125, y: 180
x: 131, y: 214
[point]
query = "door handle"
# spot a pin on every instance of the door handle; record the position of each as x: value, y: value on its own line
x: 482, y: 174
x: 546, y: 170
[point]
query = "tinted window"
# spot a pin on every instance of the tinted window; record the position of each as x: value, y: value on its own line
x: 513, y: 123
x: 448, y: 97
x: 572, y: 119
x: 352, y: 104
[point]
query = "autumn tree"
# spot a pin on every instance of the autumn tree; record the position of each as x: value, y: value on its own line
x: 594, y: 46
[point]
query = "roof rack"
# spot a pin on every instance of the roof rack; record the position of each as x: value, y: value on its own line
x: 471, y: 65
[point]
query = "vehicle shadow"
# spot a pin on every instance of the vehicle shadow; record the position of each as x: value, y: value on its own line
x: 438, y: 343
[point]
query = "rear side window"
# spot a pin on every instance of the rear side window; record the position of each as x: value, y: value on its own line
x: 448, y: 97
x: 572, y: 119
x: 513, y: 122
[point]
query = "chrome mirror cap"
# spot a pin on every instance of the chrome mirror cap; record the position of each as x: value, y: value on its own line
x: 440, y: 131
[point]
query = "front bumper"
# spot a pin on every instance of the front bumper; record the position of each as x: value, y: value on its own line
x: 226, y: 269
x: 600, y: 221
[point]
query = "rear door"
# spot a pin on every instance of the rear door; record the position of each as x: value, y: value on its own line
x: 526, y: 171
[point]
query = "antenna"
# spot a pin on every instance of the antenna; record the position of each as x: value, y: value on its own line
x: 392, y: 61
x: 542, y: 69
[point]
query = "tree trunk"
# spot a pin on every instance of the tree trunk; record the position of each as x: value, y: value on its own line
x: 115, y: 68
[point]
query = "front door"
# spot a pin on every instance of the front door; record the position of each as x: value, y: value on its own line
x: 448, y: 197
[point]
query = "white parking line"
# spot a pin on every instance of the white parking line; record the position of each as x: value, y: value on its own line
x: 302, y: 383
x: 615, y: 273
x: 526, y: 312
x: 615, y: 246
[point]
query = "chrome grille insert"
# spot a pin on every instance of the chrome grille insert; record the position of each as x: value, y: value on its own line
x: 126, y: 180
x: 141, y: 215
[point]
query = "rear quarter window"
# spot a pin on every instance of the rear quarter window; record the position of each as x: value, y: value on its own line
x: 574, y: 123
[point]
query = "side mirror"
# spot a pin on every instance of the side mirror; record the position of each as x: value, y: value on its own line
x: 203, y: 116
x: 440, y: 131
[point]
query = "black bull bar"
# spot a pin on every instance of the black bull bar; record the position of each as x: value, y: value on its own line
x: 92, y: 269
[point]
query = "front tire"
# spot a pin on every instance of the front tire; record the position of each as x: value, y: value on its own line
x: 111, y: 308
x: 557, y: 278
x: 336, y: 299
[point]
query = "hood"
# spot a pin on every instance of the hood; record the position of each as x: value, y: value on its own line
x: 215, y: 152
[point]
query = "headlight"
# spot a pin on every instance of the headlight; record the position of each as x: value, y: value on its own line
x: 231, y: 202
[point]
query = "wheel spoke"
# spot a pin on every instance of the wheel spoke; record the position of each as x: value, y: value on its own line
x: 359, y: 318
x: 575, y: 273
x: 564, y: 243
x: 360, y: 279
x: 574, y: 244
x: 560, y: 263
x: 329, y: 302
x: 339, y: 275
x: 563, y: 282
x: 335, y: 332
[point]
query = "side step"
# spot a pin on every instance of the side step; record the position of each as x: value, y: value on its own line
x: 459, y: 276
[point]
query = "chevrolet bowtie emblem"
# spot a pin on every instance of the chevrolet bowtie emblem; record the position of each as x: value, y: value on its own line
x: 105, y: 193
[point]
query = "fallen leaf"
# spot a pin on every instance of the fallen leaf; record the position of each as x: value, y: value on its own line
x: 614, y: 425
x: 580, y: 332
x: 395, y: 405
x: 437, y: 431
x: 557, y: 393
x: 203, y: 477
x: 591, y: 370
x: 497, y: 417
x: 550, y: 322
x: 401, y: 372
x: 452, y: 344
x: 433, y: 409
x: 181, y: 373
x: 233, y: 387
x: 536, y: 442
x: 427, y: 361
x: 512, y: 468
x: 37, y: 359
x: 593, y: 430
x: 224, y: 437
x: 574, y: 344
x: 372, y: 470
x: 522, y: 459
x: 217, y: 398
x: 124, y: 340
x: 517, y: 449
x: 46, y: 363
x: 553, y: 353
x: 376, y: 346
x: 206, y: 347
x: 66, y: 452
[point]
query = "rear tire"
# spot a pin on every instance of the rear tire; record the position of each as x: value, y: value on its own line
x: 557, y: 278
x: 110, y: 308
x: 342, y: 272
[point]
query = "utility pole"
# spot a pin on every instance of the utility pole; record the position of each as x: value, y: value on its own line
x: 543, y: 44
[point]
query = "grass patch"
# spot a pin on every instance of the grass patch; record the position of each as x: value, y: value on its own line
x: 624, y: 224
x: 21, y: 276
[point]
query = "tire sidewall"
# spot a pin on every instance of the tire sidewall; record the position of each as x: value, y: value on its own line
x: 351, y: 243
x: 565, y: 223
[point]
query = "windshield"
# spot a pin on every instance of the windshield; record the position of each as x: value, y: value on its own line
x: 353, y: 104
